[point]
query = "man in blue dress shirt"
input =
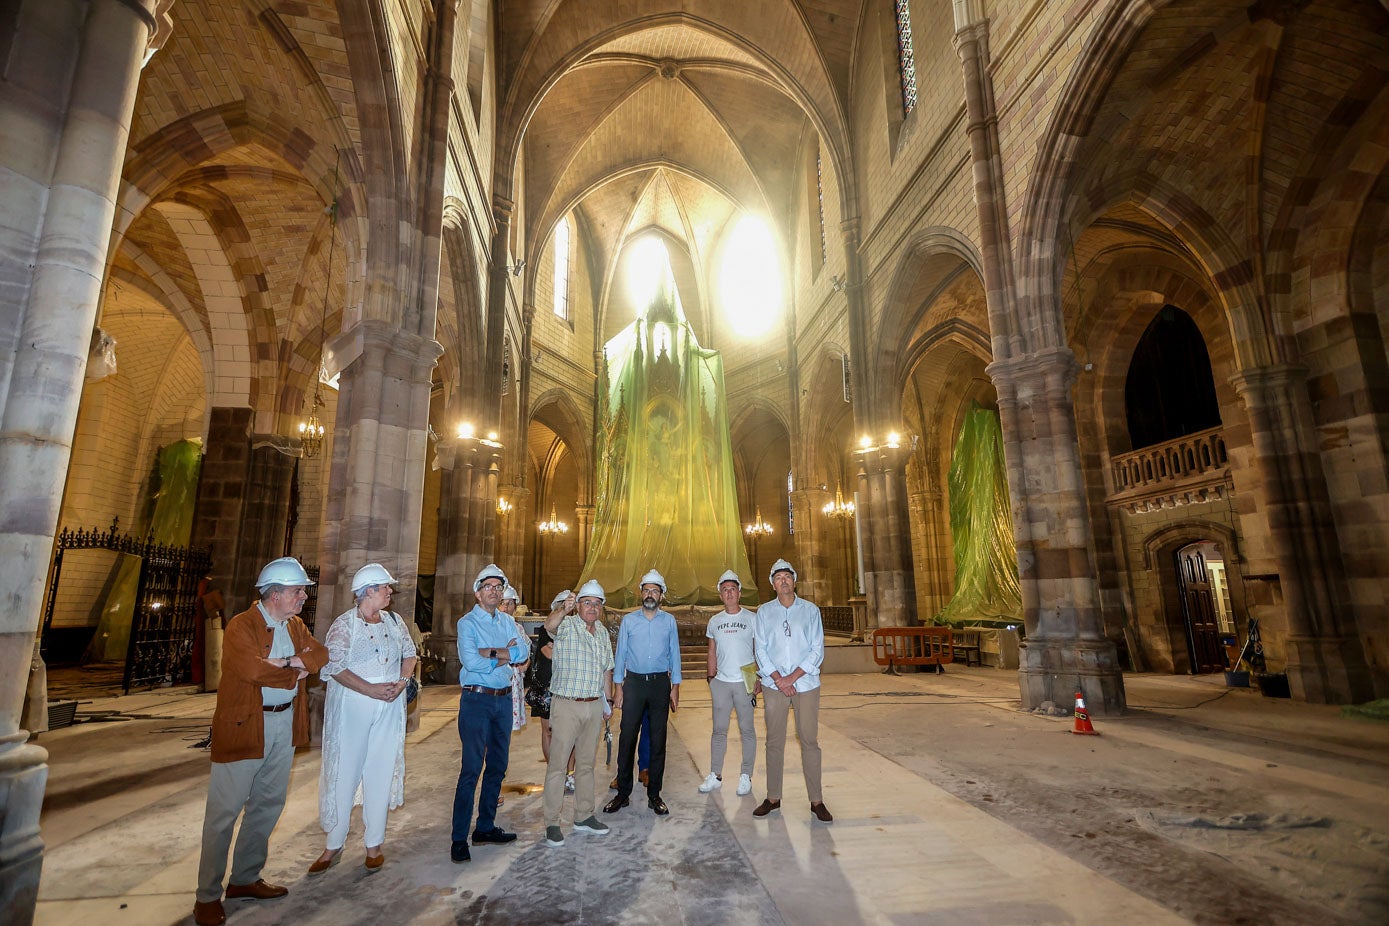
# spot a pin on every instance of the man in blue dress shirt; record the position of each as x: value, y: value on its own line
x: 488, y: 646
x: 646, y: 670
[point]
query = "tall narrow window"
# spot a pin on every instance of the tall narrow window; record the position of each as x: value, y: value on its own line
x: 906, y: 61
x: 790, y: 506
x: 562, y: 268
x: 820, y: 195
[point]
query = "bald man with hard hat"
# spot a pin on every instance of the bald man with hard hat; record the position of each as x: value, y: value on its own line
x: 581, y: 678
x: 647, y: 667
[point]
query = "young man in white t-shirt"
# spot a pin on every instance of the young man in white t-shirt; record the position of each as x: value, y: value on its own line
x: 730, y: 636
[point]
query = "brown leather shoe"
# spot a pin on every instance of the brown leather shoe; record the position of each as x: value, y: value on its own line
x: 209, y: 913
x: 644, y: 777
x: 261, y: 890
x: 766, y: 807
x: 324, y: 862
x: 374, y: 864
x: 822, y: 813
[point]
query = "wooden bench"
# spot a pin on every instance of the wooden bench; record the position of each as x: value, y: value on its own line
x: 966, y: 643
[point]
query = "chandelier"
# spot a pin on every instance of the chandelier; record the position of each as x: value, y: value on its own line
x: 838, y: 509
x: 552, y: 527
x: 758, y: 528
x: 311, y: 429
x: 503, y: 506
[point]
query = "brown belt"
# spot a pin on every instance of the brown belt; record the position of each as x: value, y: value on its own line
x: 580, y: 700
x: 496, y: 692
x: 276, y: 708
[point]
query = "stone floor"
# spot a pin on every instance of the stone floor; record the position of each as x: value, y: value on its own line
x: 1203, y: 804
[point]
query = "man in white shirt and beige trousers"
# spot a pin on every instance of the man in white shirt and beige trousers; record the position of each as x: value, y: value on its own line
x: 790, y: 647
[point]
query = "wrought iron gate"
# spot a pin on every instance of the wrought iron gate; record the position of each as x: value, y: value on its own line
x: 163, y: 623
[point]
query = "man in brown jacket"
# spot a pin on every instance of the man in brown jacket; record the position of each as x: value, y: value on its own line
x: 262, y: 714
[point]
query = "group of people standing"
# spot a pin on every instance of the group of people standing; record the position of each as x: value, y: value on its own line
x: 367, y: 661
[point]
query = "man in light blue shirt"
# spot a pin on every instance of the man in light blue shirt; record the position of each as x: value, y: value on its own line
x: 646, y: 670
x: 488, y: 646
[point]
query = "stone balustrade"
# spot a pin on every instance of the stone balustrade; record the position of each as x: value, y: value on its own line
x: 1189, y: 470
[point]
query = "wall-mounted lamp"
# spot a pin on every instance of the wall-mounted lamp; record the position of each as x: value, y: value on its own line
x: 503, y: 507
x: 837, y: 283
x: 516, y: 268
x: 466, y: 430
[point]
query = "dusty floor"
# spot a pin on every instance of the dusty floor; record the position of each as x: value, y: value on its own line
x: 1203, y: 804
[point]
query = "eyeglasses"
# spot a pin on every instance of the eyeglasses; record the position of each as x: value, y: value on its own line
x: 786, y: 626
x: 490, y: 587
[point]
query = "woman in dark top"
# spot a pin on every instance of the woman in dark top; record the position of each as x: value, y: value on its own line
x: 538, y: 679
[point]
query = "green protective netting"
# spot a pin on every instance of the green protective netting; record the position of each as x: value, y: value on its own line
x: 666, y: 493
x: 168, y: 521
x: 981, y: 522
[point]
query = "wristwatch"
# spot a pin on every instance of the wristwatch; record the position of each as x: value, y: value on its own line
x: 492, y: 653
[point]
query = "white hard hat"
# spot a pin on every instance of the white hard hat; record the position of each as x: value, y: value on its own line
x: 371, y: 574
x: 283, y: 571
x: 511, y: 593
x: 653, y: 578
x: 591, y: 589
x: 560, y: 599
x: 782, y: 565
x: 729, y: 576
x: 490, y: 571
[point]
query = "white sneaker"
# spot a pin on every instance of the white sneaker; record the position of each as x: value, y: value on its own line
x: 569, y: 783
x: 712, y: 783
x: 744, y: 785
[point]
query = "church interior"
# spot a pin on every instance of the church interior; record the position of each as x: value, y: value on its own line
x: 347, y: 280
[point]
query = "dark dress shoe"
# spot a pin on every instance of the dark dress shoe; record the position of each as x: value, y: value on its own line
x: 766, y: 807
x: 261, y: 890
x: 822, y: 813
x: 459, y: 852
x: 495, y: 834
x: 617, y: 803
x: 659, y: 806
x: 209, y: 913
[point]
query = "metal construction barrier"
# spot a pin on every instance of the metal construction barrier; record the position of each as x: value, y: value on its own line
x: 912, y: 646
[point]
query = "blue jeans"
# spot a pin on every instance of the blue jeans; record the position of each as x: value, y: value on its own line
x: 484, y: 728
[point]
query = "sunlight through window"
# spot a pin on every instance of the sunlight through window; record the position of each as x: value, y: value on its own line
x: 647, y: 264
x: 750, y: 278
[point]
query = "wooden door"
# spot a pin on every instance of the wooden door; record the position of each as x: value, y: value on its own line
x: 1198, y: 607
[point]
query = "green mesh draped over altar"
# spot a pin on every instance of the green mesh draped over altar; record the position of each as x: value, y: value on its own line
x: 981, y: 522
x: 666, y: 495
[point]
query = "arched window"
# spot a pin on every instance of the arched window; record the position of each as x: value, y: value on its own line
x: 820, y: 200
x: 1170, y: 391
x: 906, y: 60
x: 562, y: 268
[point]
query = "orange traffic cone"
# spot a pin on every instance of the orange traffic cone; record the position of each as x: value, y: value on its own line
x: 1083, y: 724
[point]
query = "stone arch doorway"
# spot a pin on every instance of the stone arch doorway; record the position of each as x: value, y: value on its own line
x: 1196, y: 598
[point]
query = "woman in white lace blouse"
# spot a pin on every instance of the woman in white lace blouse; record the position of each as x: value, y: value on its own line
x: 370, y: 659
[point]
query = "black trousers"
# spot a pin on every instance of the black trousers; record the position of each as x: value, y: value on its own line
x: 642, y: 694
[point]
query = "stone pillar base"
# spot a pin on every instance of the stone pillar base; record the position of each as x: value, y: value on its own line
x: 1054, y: 670
x: 23, y: 773
x: 1328, y: 670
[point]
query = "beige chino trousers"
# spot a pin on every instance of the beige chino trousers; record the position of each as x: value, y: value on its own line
x: 775, y: 708
x: 574, y: 725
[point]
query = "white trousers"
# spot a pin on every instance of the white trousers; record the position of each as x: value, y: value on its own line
x: 368, y: 738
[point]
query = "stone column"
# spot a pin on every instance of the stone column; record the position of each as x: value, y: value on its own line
x: 71, y: 73
x: 222, y: 496
x: 889, y: 583
x: 817, y: 542
x: 1325, y: 659
x: 467, y: 522
x: 1066, y: 649
x: 583, y: 516
x: 376, y: 484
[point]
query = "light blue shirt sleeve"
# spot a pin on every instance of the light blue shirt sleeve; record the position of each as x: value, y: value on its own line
x: 674, y: 645
x: 624, y: 632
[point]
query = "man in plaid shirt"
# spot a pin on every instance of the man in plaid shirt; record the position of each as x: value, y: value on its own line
x: 581, y: 678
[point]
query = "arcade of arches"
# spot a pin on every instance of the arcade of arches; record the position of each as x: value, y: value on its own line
x: 1152, y: 235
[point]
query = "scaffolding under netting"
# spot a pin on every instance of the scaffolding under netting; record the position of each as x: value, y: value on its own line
x: 981, y: 524
x: 666, y: 493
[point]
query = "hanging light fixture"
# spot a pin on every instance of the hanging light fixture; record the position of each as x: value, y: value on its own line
x: 838, y: 509
x: 311, y: 429
x: 552, y: 527
x: 758, y: 528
